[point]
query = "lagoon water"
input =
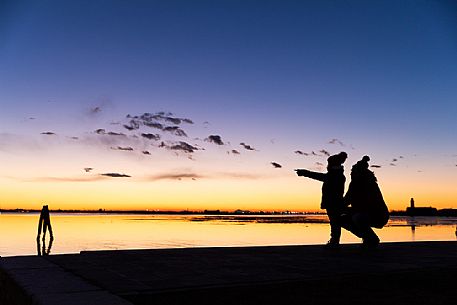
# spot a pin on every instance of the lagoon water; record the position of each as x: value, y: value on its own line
x: 79, y: 232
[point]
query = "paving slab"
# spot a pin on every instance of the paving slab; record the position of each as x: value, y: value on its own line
x: 46, y: 283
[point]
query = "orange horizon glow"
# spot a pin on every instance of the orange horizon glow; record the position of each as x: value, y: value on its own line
x: 275, y: 194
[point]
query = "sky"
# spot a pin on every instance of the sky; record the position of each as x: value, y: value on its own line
x: 172, y: 105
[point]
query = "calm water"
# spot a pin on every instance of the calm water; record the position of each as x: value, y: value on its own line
x: 77, y: 232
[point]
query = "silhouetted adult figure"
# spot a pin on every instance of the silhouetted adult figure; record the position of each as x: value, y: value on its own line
x: 332, y: 193
x: 367, y: 207
x: 44, y: 223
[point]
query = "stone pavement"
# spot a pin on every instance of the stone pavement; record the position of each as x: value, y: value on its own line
x: 403, y: 273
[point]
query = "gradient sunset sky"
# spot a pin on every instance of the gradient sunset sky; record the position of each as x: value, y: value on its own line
x: 212, y: 104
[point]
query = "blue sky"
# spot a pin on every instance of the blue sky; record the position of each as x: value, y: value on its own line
x: 378, y: 75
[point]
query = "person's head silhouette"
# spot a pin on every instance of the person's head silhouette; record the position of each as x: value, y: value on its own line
x: 336, y: 160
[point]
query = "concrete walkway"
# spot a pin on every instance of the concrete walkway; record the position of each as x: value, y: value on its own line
x: 401, y: 273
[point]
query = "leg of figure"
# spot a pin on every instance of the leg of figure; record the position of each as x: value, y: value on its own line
x: 347, y: 223
x: 362, y: 222
x: 335, y: 228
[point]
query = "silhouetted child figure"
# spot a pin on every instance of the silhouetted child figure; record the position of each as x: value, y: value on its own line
x: 45, y: 223
x: 332, y: 193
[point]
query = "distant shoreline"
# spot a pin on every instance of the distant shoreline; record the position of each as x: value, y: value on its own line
x: 158, y: 212
x: 442, y: 212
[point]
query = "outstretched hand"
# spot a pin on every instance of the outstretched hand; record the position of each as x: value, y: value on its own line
x: 301, y: 172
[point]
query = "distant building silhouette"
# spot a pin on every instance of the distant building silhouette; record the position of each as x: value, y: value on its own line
x: 412, y: 210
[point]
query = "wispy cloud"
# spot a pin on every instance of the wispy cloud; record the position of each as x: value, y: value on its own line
x: 175, y: 130
x: 185, y: 174
x: 151, y: 136
x: 324, y: 152
x: 276, y: 165
x: 132, y: 125
x: 100, y: 106
x: 246, y: 146
x: 152, y: 120
x: 299, y: 152
x: 116, y: 134
x: 183, y: 146
x: 174, y: 176
x: 239, y: 175
x: 127, y: 148
x: 336, y: 141
x: 216, y: 139
x: 95, y: 110
x: 115, y: 175
x: 162, y: 116
x: 102, y: 131
x: 154, y: 125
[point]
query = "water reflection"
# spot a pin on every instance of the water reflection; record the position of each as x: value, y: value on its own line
x: 41, y: 248
x: 413, y: 232
x: 78, y: 232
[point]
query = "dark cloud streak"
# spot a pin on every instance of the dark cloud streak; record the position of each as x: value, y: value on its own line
x: 276, y: 165
x: 151, y: 136
x: 216, y: 139
x: 128, y: 148
x: 115, y: 175
x: 336, y: 141
x: 247, y: 147
x: 299, y: 152
x: 326, y: 153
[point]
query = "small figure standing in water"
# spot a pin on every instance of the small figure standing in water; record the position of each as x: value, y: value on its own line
x: 45, y: 223
x: 332, y: 193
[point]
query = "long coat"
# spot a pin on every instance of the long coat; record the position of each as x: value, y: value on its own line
x: 364, y: 196
x: 332, y: 188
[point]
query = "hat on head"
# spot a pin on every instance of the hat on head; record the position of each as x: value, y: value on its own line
x: 362, y: 164
x: 336, y: 160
